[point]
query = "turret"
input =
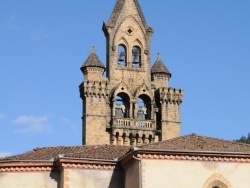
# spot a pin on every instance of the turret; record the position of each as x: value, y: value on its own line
x: 93, y: 68
x: 160, y: 74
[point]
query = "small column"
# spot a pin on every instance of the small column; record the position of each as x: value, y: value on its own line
x: 131, y: 110
x: 152, y: 112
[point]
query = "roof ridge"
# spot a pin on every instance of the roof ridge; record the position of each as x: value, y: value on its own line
x: 118, y: 8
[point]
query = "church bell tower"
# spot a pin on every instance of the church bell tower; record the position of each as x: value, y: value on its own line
x: 133, y: 104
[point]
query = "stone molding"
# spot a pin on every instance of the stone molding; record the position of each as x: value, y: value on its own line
x: 59, y: 164
x: 196, y: 157
x: 26, y: 167
x: 85, y: 164
x: 217, y: 180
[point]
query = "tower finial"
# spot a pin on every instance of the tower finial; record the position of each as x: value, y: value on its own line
x: 93, y: 49
x: 158, y: 56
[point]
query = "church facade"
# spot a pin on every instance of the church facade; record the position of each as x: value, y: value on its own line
x: 131, y: 127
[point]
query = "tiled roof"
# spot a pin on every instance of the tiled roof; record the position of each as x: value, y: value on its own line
x: 93, y: 60
x: 195, y: 142
x: 105, y: 152
x: 159, y: 67
x: 190, y: 143
x: 118, y: 8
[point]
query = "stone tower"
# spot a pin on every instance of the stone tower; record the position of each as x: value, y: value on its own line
x: 133, y: 104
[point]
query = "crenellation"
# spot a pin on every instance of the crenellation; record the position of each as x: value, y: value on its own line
x: 171, y: 95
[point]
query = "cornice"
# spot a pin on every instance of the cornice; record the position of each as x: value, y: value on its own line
x: 187, y: 156
x: 67, y: 163
x: 26, y: 167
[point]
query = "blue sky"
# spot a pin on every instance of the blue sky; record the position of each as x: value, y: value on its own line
x: 205, y: 44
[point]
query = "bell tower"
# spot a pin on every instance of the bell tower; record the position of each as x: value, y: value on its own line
x: 133, y: 105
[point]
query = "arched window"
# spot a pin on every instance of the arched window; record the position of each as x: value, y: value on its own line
x: 136, y: 56
x: 122, y: 105
x: 143, y: 107
x: 122, y: 55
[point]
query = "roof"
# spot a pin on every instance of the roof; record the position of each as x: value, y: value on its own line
x: 101, y: 152
x: 189, y: 143
x: 196, y: 143
x: 93, y: 60
x: 118, y: 8
x: 159, y: 67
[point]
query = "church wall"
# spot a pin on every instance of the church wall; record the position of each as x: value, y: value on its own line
x: 183, y: 174
x: 94, y: 178
x: 132, y: 176
x: 30, y: 179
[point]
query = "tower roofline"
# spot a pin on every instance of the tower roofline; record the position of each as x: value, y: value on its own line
x: 93, y: 60
x: 159, y: 67
x: 117, y: 10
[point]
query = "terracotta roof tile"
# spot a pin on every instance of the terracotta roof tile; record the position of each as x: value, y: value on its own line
x: 191, y: 142
x: 105, y: 152
x: 195, y: 142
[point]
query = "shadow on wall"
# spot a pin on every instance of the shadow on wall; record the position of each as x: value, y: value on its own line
x: 55, y: 176
x: 117, y: 178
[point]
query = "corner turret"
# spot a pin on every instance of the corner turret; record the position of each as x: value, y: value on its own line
x: 160, y: 74
x: 93, y: 68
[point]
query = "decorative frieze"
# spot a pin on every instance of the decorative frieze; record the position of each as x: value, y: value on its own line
x: 196, y: 157
x: 26, y: 167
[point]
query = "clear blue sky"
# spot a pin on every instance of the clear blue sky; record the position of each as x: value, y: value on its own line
x: 205, y: 44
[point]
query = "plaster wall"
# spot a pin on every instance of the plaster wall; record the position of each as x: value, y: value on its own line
x: 94, y: 179
x: 183, y: 174
x: 30, y: 180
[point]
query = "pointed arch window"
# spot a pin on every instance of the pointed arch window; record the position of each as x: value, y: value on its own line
x: 143, y: 107
x: 122, y: 105
x: 136, y: 56
x: 122, y: 55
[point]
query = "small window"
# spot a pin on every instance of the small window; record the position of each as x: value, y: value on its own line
x: 122, y: 55
x: 136, y: 56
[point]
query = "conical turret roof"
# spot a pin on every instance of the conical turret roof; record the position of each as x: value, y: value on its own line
x: 159, y: 67
x: 93, y: 60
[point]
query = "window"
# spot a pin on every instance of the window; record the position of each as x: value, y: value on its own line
x: 144, y: 107
x: 122, y: 106
x: 136, y: 56
x: 122, y: 55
